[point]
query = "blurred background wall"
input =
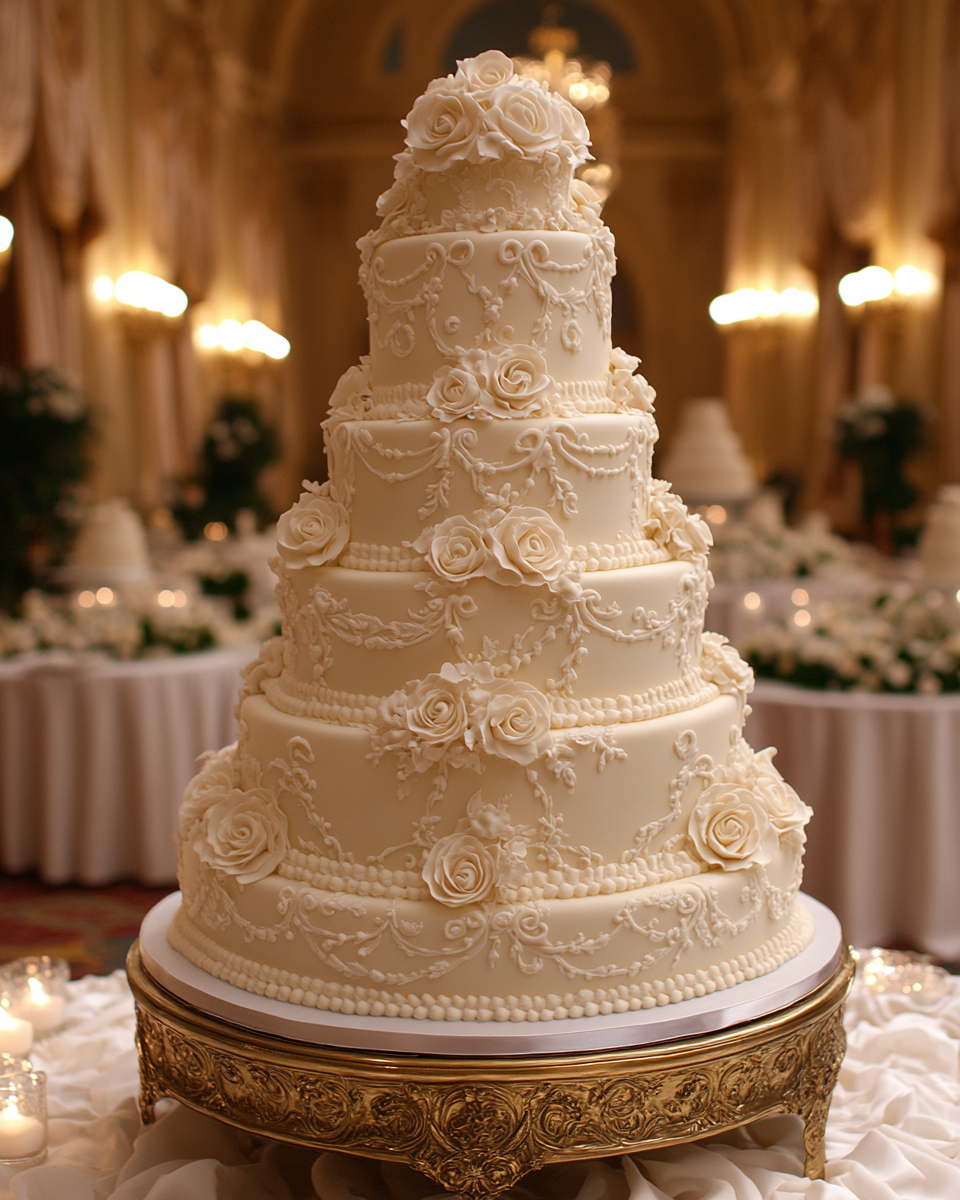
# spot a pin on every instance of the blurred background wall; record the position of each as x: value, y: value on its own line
x: 236, y: 149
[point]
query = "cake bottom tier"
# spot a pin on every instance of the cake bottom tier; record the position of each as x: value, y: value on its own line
x: 544, y: 960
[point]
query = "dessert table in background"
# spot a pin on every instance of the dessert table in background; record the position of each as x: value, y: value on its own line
x: 882, y: 774
x: 95, y: 754
x: 893, y: 1131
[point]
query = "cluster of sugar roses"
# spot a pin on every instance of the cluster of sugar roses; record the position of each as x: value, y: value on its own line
x: 465, y: 708
x: 506, y: 382
x: 669, y: 523
x: 512, y: 546
x: 900, y: 641
x: 487, y: 112
x: 239, y: 832
x: 746, y: 812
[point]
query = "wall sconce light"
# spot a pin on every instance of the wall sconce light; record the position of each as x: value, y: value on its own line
x: 874, y: 283
x: 748, y: 304
x: 233, y: 337
x: 137, y: 289
x: 6, y: 241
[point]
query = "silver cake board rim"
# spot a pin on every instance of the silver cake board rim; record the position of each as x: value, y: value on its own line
x: 747, y: 1001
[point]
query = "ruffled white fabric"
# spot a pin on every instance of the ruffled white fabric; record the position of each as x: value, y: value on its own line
x: 894, y: 1130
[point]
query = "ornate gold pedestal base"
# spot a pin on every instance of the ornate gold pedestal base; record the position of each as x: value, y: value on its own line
x: 476, y: 1125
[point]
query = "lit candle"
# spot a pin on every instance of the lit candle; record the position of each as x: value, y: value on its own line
x: 20, y: 1136
x: 43, y: 1010
x: 16, y: 1035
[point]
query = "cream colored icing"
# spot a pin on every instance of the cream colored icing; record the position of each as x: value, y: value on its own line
x: 492, y: 768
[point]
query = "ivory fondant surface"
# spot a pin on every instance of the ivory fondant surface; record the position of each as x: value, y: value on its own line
x: 492, y: 769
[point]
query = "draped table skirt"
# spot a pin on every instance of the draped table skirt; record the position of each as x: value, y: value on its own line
x: 95, y: 754
x: 882, y: 775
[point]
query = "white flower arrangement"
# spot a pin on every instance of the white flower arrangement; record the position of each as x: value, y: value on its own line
x: 487, y: 112
x: 128, y: 628
x: 752, y: 550
x: 902, y: 641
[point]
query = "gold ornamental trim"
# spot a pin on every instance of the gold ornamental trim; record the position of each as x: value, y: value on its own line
x: 477, y: 1125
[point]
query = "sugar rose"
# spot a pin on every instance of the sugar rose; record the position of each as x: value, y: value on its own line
x: 442, y: 128
x: 515, y: 382
x: 784, y: 807
x: 488, y: 70
x: 211, y: 783
x: 454, y: 549
x: 524, y: 119
x: 454, y: 393
x: 314, y: 531
x: 244, y: 834
x: 731, y: 829
x: 433, y: 714
x: 516, y: 723
x: 526, y: 546
x: 459, y: 870
x: 669, y: 523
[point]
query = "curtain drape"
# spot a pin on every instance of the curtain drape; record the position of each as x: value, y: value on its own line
x: 18, y: 83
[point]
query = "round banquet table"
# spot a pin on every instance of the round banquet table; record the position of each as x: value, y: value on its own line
x: 95, y: 754
x: 882, y: 775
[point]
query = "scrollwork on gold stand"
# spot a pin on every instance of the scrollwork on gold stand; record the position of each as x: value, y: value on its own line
x: 477, y: 1125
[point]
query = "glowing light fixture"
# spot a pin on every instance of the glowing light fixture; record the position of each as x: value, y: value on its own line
x: 752, y: 601
x: 800, y: 597
x: 876, y: 283
x: 103, y: 288
x: 230, y: 335
x: 216, y: 531
x: 140, y: 290
x: 749, y: 304
x: 802, y: 618
x: 6, y: 234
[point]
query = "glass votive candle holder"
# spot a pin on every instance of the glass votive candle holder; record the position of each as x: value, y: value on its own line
x: 35, y: 989
x: 13, y: 1064
x: 16, y: 1035
x: 23, y: 1119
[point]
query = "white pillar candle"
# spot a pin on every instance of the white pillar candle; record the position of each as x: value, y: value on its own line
x: 42, y: 1010
x: 16, y: 1035
x: 20, y: 1136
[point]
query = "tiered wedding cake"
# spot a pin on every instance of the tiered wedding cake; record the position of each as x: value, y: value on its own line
x: 707, y: 463
x: 492, y: 769
x: 940, y: 542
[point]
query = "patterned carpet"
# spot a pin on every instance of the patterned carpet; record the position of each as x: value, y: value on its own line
x: 91, y: 928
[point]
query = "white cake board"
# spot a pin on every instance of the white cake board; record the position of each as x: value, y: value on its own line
x: 404, y: 1035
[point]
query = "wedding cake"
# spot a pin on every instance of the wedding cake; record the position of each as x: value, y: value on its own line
x: 940, y: 541
x: 707, y: 463
x: 493, y: 768
x: 111, y: 547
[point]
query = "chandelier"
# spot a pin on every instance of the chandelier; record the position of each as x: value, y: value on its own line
x: 586, y: 86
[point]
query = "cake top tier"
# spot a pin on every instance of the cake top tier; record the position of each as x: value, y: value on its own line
x: 490, y: 150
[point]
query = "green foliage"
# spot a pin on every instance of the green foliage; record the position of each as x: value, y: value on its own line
x: 45, y: 434
x: 879, y: 434
x: 234, y: 586
x: 236, y: 448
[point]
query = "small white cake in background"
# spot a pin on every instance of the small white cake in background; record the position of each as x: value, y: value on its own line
x: 706, y: 463
x: 940, y: 541
x: 111, y: 548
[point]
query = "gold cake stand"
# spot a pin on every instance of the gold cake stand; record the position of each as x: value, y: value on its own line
x: 476, y: 1125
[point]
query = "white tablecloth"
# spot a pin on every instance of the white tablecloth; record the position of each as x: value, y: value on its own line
x: 95, y: 754
x: 882, y: 774
x: 893, y: 1133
